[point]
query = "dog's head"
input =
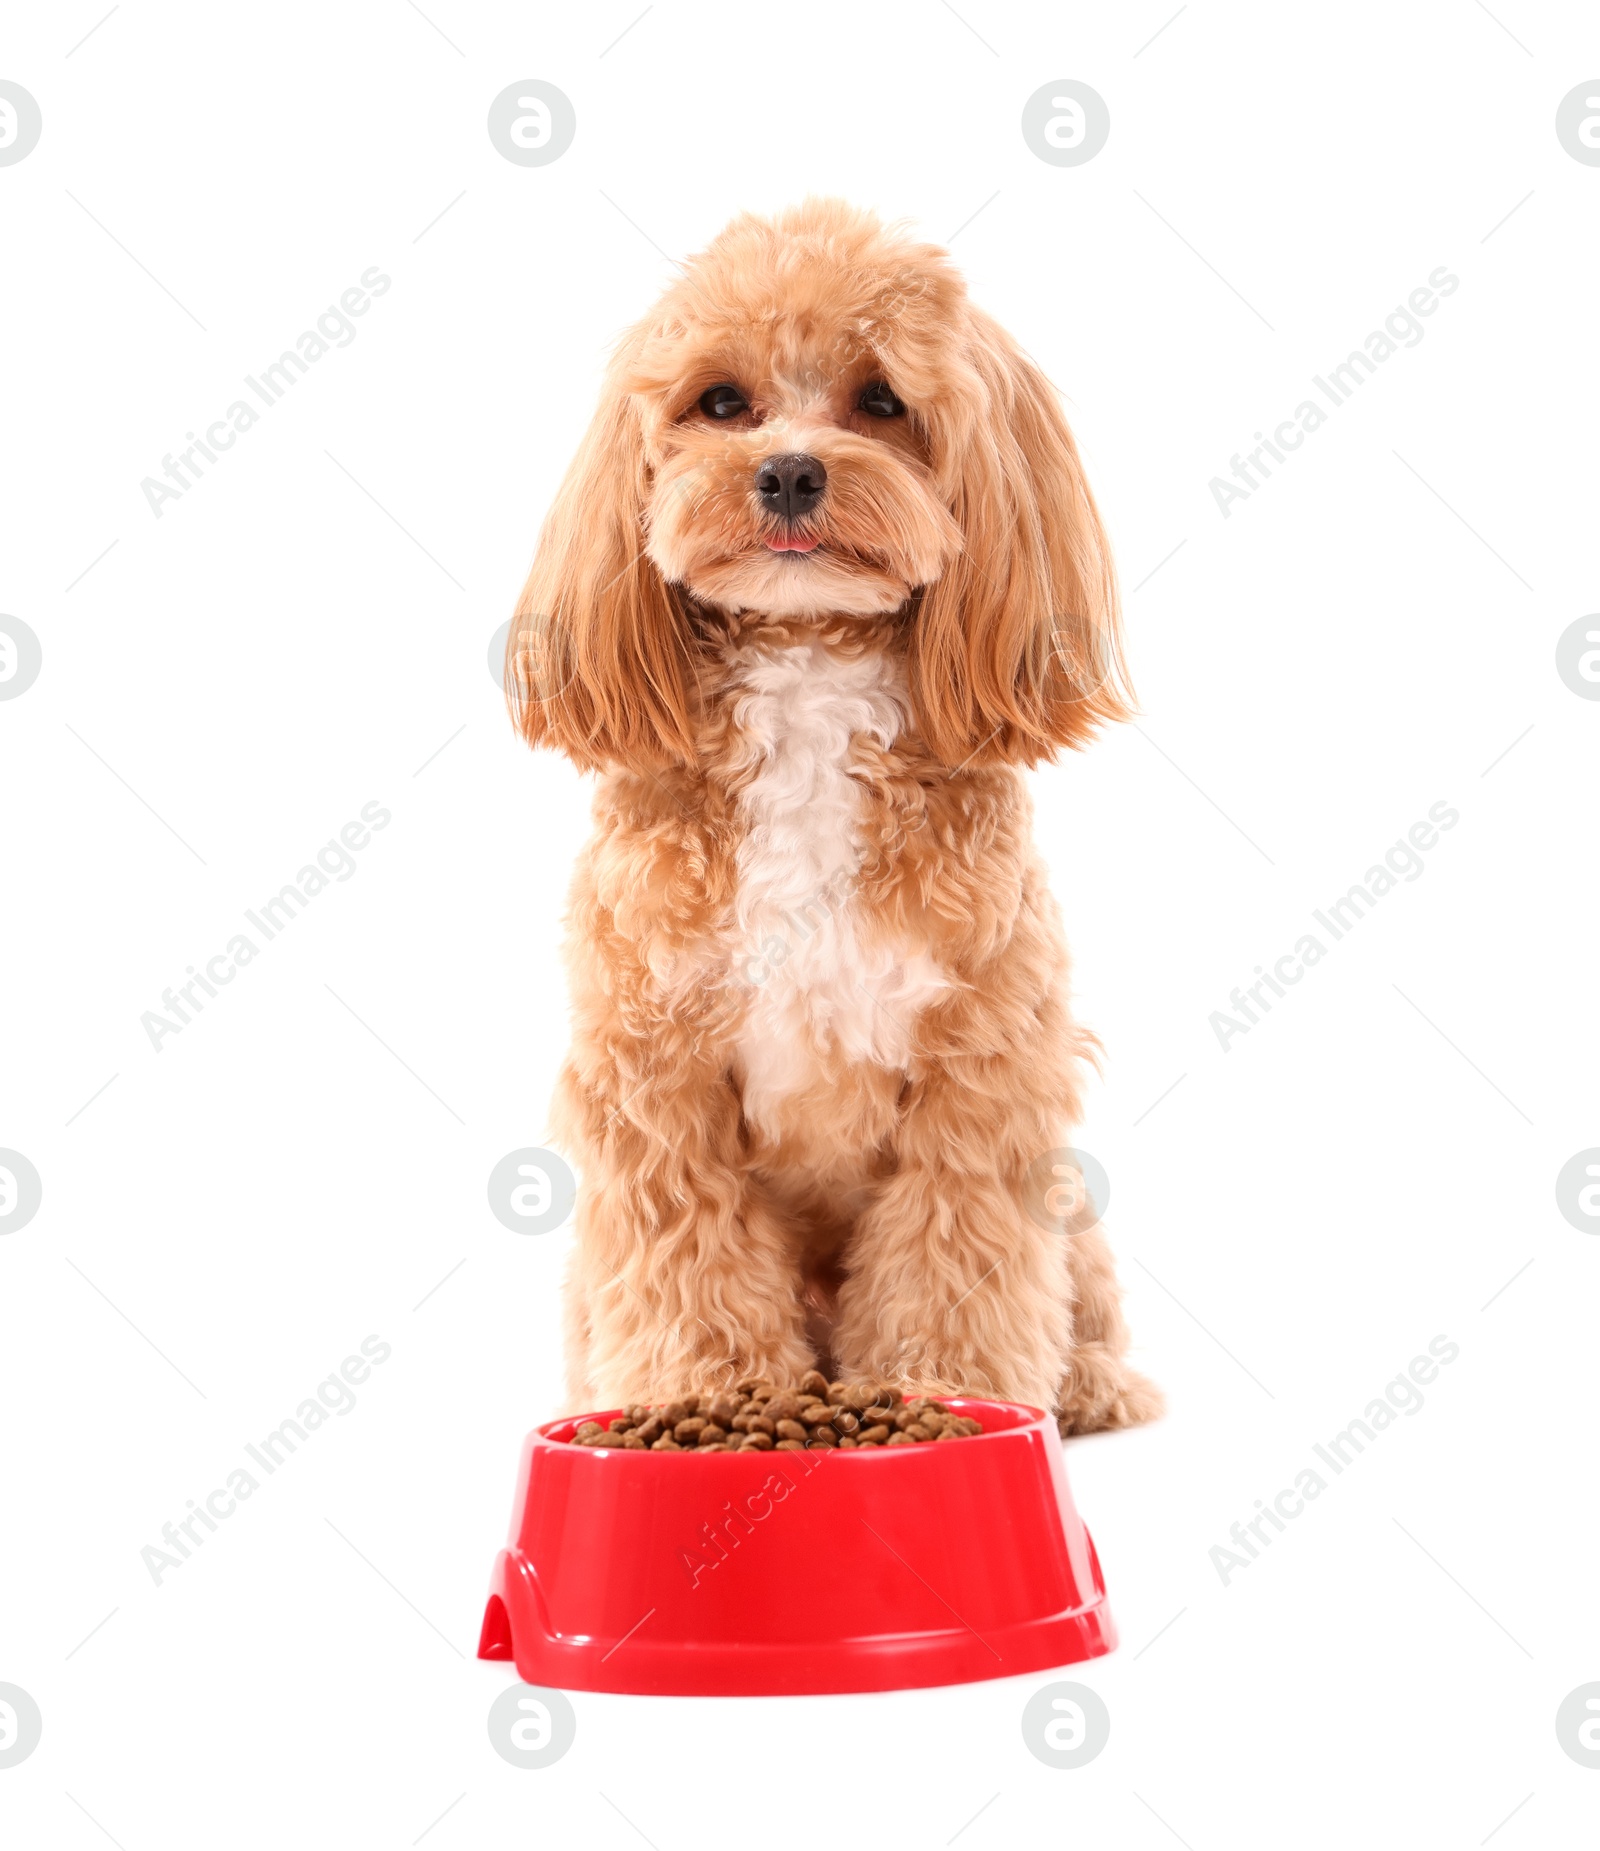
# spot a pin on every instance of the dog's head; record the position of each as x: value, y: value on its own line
x: 815, y: 420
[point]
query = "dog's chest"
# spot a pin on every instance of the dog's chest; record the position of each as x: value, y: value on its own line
x: 823, y: 984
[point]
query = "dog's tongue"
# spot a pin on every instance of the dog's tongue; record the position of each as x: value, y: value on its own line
x: 792, y: 546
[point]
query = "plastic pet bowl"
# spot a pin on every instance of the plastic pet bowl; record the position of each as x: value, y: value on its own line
x: 759, y: 1574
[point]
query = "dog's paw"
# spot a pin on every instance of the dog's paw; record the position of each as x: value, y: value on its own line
x: 1099, y: 1391
x: 909, y: 1387
x: 725, y: 1377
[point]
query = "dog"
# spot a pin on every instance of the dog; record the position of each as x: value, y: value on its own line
x: 824, y: 576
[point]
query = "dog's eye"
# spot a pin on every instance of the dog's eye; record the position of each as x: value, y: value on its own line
x: 879, y: 402
x: 723, y: 402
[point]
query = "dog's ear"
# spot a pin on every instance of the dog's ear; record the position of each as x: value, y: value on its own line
x: 598, y: 652
x: 1017, y: 649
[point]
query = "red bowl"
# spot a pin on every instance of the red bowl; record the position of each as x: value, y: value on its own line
x: 758, y: 1574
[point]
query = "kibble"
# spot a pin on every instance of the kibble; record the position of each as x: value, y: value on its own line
x: 813, y: 1416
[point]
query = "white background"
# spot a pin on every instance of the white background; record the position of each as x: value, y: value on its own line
x: 1295, y: 1219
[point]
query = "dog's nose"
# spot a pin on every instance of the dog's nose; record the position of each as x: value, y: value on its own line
x: 790, y: 485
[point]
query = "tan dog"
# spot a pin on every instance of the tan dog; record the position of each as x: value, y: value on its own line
x: 824, y: 575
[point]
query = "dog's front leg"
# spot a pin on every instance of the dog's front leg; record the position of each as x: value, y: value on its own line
x: 682, y: 1279
x: 954, y: 1284
x: 950, y: 1284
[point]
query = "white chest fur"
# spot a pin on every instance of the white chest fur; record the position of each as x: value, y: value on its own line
x: 820, y: 986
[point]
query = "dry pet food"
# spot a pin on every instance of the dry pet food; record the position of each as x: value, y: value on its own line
x: 816, y: 1416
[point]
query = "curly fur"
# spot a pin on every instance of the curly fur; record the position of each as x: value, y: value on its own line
x: 821, y: 1017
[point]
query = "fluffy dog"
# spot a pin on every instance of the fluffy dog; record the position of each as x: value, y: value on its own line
x: 823, y: 577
